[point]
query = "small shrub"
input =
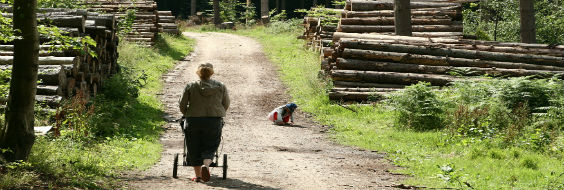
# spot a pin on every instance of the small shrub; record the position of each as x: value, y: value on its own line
x: 530, y: 163
x: 417, y: 107
x: 278, y: 27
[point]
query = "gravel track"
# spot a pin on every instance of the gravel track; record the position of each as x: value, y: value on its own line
x: 261, y: 155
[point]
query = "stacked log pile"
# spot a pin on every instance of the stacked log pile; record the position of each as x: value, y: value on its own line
x: 145, y: 27
x: 369, y: 64
x: 65, y: 73
x: 439, y: 18
x: 319, y: 29
x: 166, y: 23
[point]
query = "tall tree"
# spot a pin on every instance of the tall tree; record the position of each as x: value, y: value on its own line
x: 18, y: 135
x: 193, y: 6
x: 402, y: 17
x: 264, y: 11
x: 216, y: 19
x: 526, y: 7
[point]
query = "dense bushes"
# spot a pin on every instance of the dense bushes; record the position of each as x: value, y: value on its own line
x: 499, y: 20
x: 521, y: 112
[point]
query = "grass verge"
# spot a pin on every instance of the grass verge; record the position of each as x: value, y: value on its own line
x: 431, y: 158
x: 121, y: 138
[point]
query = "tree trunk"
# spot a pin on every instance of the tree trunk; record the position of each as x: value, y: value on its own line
x: 402, y: 18
x: 193, y: 6
x: 283, y: 5
x: 438, y: 60
x: 264, y: 11
x: 458, y: 53
x: 526, y: 7
x: 18, y: 135
x: 390, y: 77
x: 216, y: 19
x: 278, y: 6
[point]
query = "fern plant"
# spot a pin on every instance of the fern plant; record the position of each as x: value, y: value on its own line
x: 417, y: 107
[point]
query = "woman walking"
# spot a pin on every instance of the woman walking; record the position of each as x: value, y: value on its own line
x: 203, y: 103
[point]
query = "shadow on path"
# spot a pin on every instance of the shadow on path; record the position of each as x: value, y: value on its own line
x: 236, y: 184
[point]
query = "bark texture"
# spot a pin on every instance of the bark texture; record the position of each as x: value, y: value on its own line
x: 18, y: 134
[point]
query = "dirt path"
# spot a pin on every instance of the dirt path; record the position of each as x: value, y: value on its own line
x: 261, y: 155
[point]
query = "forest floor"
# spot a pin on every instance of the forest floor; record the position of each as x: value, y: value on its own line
x: 260, y: 155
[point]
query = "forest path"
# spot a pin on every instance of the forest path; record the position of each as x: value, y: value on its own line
x: 260, y: 155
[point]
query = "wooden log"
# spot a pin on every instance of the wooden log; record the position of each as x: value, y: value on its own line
x: 171, y: 31
x: 365, y: 85
x: 339, y: 35
x: 50, y: 74
x: 365, y: 89
x: 454, y: 14
x: 8, y: 60
x: 139, y: 39
x: 49, y: 90
x: 390, y: 21
x: 415, y: 28
x: 108, y: 21
x: 359, y: 5
x: 492, y: 48
x: 165, y: 17
x: 356, y: 96
x: 438, y: 60
x: 457, y: 53
x: 390, y: 77
x: 51, y: 101
x: 68, y: 21
x: 352, y: 64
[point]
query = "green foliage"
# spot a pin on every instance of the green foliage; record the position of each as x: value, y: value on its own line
x: 125, y: 25
x: 228, y: 10
x: 73, y: 119
x: 89, y: 156
x: 5, y: 76
x: 6, y: 31
x: 249, y: 14
x: 339, y: 2
x: 58, y: 37
x: 285, y: 26
x: 71, y: 4
x: 499, y: 20
x: 277, y: 17
x: 329, y: 17
x: 453, y: 176
x: 417, y: 107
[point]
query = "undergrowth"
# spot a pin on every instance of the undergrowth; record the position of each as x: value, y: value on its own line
x: 502, y: 134
x: 118, y: 130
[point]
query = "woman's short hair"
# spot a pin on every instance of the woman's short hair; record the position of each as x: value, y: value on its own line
x: 205, y: 71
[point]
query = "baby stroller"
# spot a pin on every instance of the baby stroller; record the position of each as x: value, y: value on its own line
x: 185, y: 160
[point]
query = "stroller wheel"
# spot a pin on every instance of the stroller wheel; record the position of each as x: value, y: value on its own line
x: 175, y: 166
x: 224, y: 166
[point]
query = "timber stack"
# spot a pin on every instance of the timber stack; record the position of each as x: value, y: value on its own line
x: 438, y: 18
x: 320, y: 27
x: 368, y: 65
x: 166, y: 22
x: 65, y: 72
x: 145, y: 26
